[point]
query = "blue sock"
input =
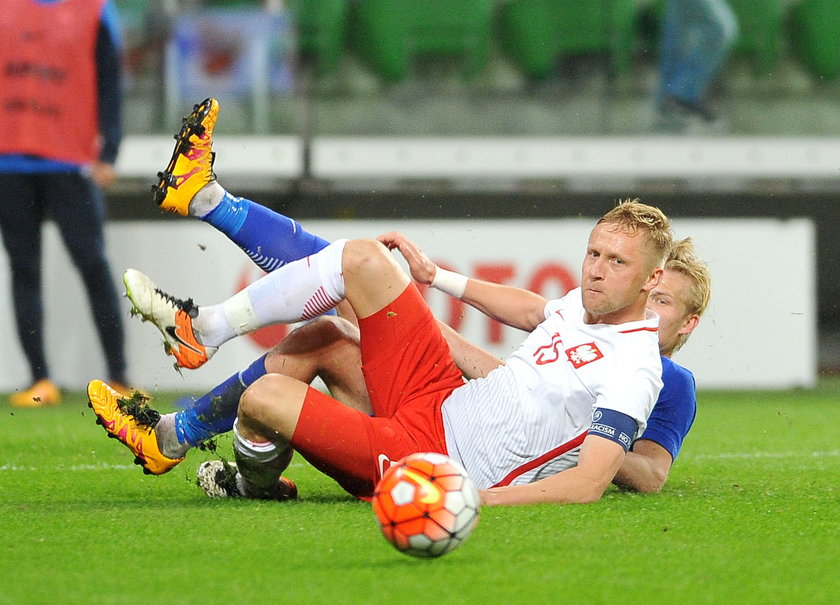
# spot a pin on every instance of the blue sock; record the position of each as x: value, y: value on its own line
x: 213, y: 413
x: 269, y: 238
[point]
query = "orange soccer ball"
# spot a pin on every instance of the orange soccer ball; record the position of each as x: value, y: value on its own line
x: 426, y: 505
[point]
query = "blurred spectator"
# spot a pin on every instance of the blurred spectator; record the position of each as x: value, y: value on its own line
x: 60, y: 104
x: 696, y: 38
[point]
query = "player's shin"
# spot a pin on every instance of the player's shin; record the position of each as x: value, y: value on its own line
x: 298, y: 291
x: 260, y: 464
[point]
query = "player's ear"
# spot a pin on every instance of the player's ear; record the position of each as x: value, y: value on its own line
x: 690, y: 323
x: 653, y: 279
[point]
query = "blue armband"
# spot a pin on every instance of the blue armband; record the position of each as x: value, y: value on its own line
x: 614, y: 426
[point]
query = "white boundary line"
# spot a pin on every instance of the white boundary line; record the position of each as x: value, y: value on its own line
x: 759, y: 455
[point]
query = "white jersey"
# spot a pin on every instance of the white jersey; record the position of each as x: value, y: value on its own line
x: 527, y: 419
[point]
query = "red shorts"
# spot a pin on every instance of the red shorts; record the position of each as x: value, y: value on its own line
x: 408, y: 371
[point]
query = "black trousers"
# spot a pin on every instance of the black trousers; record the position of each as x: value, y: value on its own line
x: 75, y: 204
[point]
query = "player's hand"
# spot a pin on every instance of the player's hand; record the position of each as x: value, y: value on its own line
x: 421, y: 267
x: 103, y: 174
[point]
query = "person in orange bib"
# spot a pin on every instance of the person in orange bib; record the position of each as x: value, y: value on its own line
x: 60, y: 105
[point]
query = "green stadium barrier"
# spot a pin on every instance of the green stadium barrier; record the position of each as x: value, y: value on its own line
x: 321, y: 29
x: 815, y: 36
x: 389, y: 34
x: 535, y: 33
x: 759, y: 31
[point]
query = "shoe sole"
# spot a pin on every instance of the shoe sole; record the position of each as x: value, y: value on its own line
x: 192, y: 125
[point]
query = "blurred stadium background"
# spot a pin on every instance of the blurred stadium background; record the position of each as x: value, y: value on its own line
x: 444, y: 110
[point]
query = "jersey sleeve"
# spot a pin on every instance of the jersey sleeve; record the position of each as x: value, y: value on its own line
x: 632, y: 393
x: 675, y: 409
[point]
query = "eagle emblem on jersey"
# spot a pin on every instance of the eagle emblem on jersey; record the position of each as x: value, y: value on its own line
x: 583, y: 354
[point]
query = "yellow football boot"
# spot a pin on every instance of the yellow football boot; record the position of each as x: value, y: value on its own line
x: 41, y: 394
x: 191, y: 165
x: 132, y: 422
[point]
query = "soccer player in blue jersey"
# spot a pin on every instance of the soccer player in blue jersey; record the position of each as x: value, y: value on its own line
x: 327, y: 347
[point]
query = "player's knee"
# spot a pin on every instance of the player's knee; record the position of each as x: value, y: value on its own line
x: 366, y: 257
x: 264, y: 396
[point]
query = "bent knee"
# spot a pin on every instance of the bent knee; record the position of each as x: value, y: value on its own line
x: 366, y: 256
x: 267, y: 394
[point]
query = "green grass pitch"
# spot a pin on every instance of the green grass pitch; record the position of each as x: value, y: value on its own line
x: 751, y: 514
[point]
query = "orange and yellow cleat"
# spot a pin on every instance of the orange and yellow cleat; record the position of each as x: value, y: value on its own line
x: 41, y: 394
x: 191, y: 165
x: 132, y: 422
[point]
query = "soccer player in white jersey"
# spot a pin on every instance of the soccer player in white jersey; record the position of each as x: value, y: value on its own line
x: 315, y: 348
x: 329, y: 348
x: 595, y: 349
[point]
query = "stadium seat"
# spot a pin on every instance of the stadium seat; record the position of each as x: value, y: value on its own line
x: 390, y: 34
x: 536, y: 33
x: 759, y: 31
x: 815, y: 36
x: 321, y: 30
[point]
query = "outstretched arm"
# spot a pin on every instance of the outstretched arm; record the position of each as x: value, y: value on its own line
x: 512, y: 306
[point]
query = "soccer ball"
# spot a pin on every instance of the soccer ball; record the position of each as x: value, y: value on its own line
x: 426, y: 505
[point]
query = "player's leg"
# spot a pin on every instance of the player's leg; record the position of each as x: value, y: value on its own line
x: 21, y: 215
x: 278, y: 414
x: 409, y: 372
x: 298, y: 291
x: 327, y: 347
x: 188, y: 186
x: 77, y: 206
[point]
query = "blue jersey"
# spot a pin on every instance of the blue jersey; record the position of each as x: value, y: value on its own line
x: 675, y: 409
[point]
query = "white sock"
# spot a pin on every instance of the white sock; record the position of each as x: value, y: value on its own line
x: 207, y: 198
x: 300, y: 290
x: 167, y: 437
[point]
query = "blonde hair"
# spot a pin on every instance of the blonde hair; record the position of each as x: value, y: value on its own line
x: 684, y: 260
x: 631, y: 215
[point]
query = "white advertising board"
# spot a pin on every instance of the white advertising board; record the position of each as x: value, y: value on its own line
x: 759, y: 332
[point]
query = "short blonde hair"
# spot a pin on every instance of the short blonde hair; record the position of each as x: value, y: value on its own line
x: 632, y: 215
x: 696, y: 300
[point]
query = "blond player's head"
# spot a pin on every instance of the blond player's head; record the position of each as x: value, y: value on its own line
x: 624, y: 261
x: 632, y: 216
x: 682, y: 296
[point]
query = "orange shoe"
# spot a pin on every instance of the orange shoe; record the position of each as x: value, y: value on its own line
x: 132, y: 422
x: 172, y: 316
x: 41, y: 394
x: 191, y: 165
